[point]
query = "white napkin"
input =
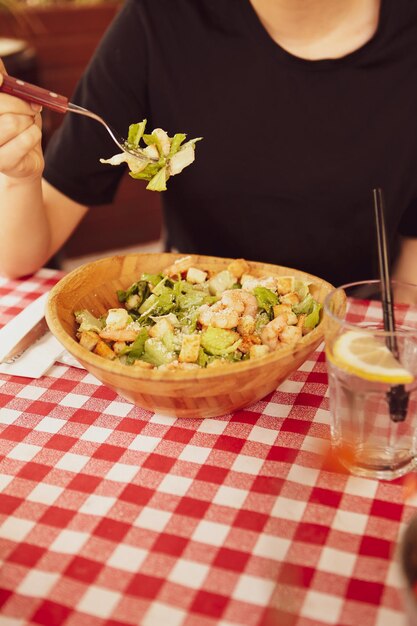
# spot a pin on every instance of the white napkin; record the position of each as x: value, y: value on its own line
x: 13, y: 331
x: 36, y: 360
x: 42, y: 354
x: 67, y: 359
x: 39, y: 358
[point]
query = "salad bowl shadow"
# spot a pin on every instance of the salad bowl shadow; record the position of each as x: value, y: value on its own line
x: 196, y: 393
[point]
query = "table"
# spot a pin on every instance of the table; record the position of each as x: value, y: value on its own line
x: 113, y: 515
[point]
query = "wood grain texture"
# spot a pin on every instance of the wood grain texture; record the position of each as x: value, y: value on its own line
x: 196, y: 393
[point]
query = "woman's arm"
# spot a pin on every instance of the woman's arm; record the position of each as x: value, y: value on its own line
x: 35, y: 218
x: 405, y: 268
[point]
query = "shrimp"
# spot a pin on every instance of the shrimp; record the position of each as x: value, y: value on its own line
x: 233, y: 305
x: 241, y: 301
x: 270, y: 332
x: 218, y: 316
x: 279, y: 330
x: 227, y: 312
x: 119, y: 334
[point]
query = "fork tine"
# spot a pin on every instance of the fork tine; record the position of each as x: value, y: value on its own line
x: 118, y: 140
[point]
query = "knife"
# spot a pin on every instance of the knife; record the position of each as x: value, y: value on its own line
x: 26, y: 341
x: 23, y: 330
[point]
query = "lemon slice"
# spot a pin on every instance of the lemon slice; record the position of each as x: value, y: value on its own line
x: 366, y: 357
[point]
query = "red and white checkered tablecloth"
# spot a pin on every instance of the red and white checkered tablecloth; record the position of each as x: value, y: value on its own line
x: 111, y: 515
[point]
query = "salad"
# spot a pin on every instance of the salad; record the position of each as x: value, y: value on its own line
x: 187, y: 317
x: 168, y: 156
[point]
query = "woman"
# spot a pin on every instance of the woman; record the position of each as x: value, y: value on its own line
x: 304, y: 106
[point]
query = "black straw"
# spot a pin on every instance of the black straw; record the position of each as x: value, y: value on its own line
x: 397, y: 396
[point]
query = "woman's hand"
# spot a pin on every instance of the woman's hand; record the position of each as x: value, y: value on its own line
x: 21, y: 154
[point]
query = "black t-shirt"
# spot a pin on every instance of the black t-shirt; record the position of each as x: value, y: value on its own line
x: 292, y: 148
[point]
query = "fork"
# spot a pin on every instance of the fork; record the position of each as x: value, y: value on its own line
x: 60, y: 104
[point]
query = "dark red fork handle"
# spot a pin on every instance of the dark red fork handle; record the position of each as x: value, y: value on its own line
x: 33, y: 93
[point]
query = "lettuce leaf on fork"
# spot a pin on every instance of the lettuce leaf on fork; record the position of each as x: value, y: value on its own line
x: 168, y: 156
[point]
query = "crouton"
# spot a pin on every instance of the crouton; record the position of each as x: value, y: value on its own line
x: 88, y: 339
x: 246, y: 325
x: 247, y: 342
x: 290, y: 335
x: 159, y: 329
x: 238, y: 267
x: 258, y: 351
x: 104, y: 350
x: 290, y: 298
x: 285, y: 284
x: 189, y: 349
x: 281, y: 308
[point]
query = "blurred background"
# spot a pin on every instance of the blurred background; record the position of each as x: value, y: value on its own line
x: 49, y: 43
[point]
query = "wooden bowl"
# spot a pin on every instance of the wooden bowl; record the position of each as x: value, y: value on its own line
x: 196, y: 393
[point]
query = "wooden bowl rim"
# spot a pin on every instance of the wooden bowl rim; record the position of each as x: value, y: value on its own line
x: 98, y: 362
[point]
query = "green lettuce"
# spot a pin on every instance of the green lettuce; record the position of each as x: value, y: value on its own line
x: 220, y: 341
x: 163, y: 156
x: 136, y: 133
x: 313, y: 318
x: 305, y: 306
x: 135, y: 350
x: 157, y: 353
x: 87, y: 321
x: 266, y: 299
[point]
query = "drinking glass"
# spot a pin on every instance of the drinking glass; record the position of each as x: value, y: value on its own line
x: 372, y: 378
